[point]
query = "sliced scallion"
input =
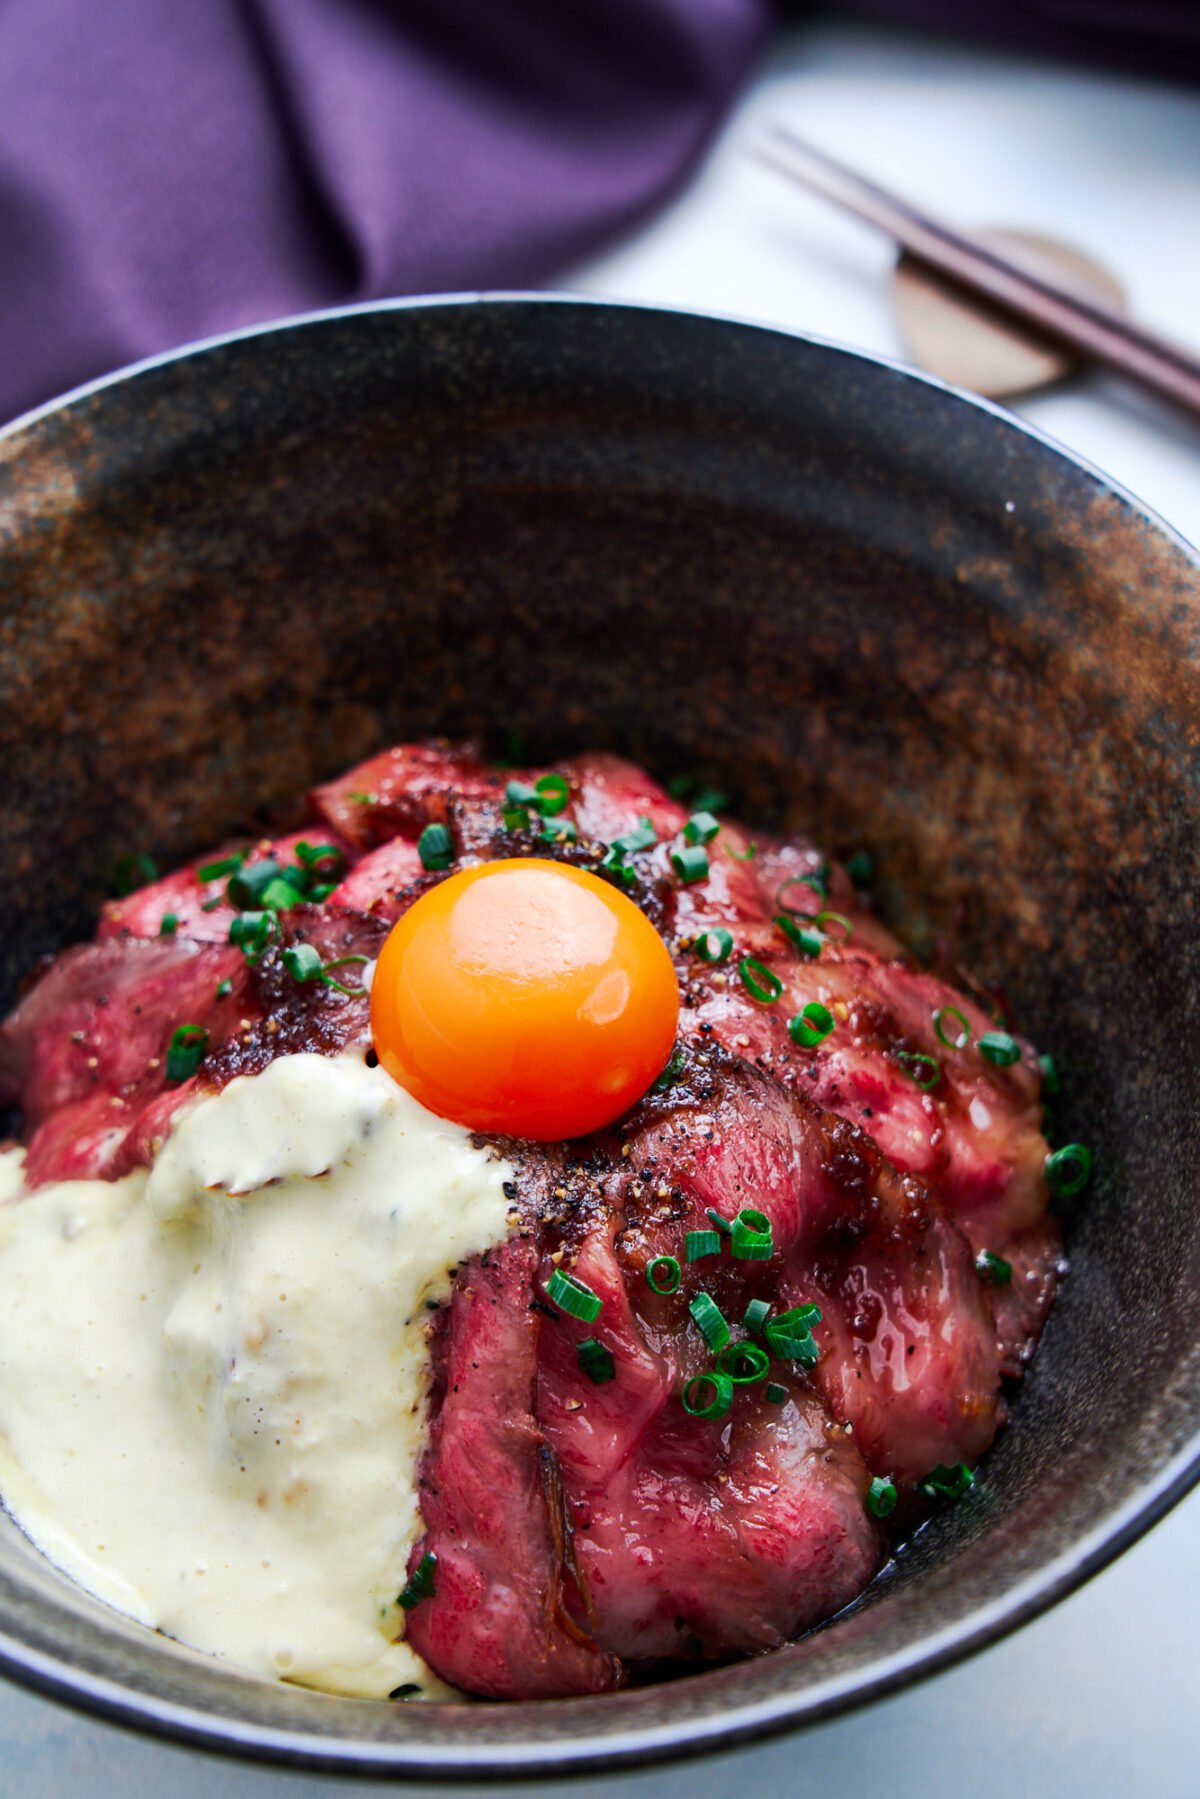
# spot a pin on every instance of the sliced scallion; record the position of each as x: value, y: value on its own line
x: 1049, y: 1070
x: 760, y: 982
x: 998, y: 1048
x: 811, y: 1026
x: 1069, y: 1169
x: 217, y: 871
x: 750, y: 1238
x: 552, y: 794
x: 708, y: 1395
x: 698, y: 1244
x: 774, y: 1393
x: 724, y: 1225
x: 595, y: 1360
x: 670, y: 1073
x: 420, y: 1583
x: 690, y: 862
x: 744, y: 1363
x: 756, y: 1315
x: 435, y: 848
x: 845, y: 930
x: 224, y: 988
x: 861, y: 868
x: 302, y: 962
x: 642, y: 837
x: 709, y: 1322
x: 248, y: 884
x: 186, y: 1051
x: 991, y: 1267
x: 961, y: 1036
x: 701, y: 827
x: 714, y: 945
x: 924, y: 1071
x: 947, y: 1483
x: 801, y: 937
x: 613, y: 863
x: 882, y: 1497
x: 573, y: 1296
x: 168, y: 924
x: 663, y: 1274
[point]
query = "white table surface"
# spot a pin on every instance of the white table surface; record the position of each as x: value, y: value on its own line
x: 1100, y: 1696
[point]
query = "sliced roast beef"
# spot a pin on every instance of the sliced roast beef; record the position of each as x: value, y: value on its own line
x: 585, y: 1528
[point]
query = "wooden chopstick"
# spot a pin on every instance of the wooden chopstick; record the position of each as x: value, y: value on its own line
x: 1086, y: 325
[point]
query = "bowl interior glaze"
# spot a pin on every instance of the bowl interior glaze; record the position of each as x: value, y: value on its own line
x: 867, y: 605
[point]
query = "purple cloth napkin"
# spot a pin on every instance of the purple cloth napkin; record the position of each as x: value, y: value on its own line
x: 171, y: 168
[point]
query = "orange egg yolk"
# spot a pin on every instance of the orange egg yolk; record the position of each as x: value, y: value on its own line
x: 526, y: 997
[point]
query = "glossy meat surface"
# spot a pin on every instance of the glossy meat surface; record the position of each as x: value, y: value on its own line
x: 584, y: 1531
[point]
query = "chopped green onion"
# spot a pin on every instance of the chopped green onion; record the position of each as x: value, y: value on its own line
x: 131, y: 872
x: 746, y: 855
x: 595, y: 1360
x: 552, y: 795
x: 224, y: 988
x: 1049, y: 1070
x: 663, y: 1274
x: 811, y: 1026
x: 882, y: 1497
x: 789, y: 1335
x: 613, y: 863
x: 252, y: 932
x: 710, y: 799
x: 698, y: 1405
x: 751, y: 1236
x: 642, y: 837
x: 924, y: 1071
x: 573, y: 1296
x: 744, y: 1363
x: 823, y: 920
x: 420, y: 1583
x: 861, y: 868
x: 1069, y: 1169
x: 168, y: 924
x: 709, y: 1322
x: 312, y: 855
x: 759, y: 981
x: 947, y: 1483
x: 714, y: 945
x: 248, y: 885
x: 516, y: 818
x: 435, y: 848
x: 807, y: 941
x: 994, y: 1268
x: 339, y: 986
x: 364, y: 799
x: 302, y: 962
x: 186, y: 1051
x: 756, y: 1315
x: 961, y: 1037
x: 811, y: 883
x: 998, y: 1048
x: 698, y: 1244
x: 690, y: 864
x: 559, y: 830
x: 321, y: 891
x: 210, y: 905
x: 775, y: 1394
x: 701, y: 827
x: 722, y: 1224
x: 216, y: 871
x: 520, y: 793
x: 670, y: 1073
x: 280, y: 895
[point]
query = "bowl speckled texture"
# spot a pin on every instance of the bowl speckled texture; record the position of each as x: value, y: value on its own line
x: 867, y: 605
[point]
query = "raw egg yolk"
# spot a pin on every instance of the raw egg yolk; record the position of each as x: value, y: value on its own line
x: 526, y: 997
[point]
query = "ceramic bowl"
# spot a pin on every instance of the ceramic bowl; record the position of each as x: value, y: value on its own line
x: 867, y: 605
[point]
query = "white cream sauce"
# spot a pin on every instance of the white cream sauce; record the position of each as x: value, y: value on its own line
x: 213, y: 1377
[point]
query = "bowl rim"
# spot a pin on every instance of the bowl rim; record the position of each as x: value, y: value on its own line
x: 741, y: 1723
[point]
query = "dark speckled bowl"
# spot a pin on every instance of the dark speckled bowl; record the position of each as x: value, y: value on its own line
x: 866, y: 604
